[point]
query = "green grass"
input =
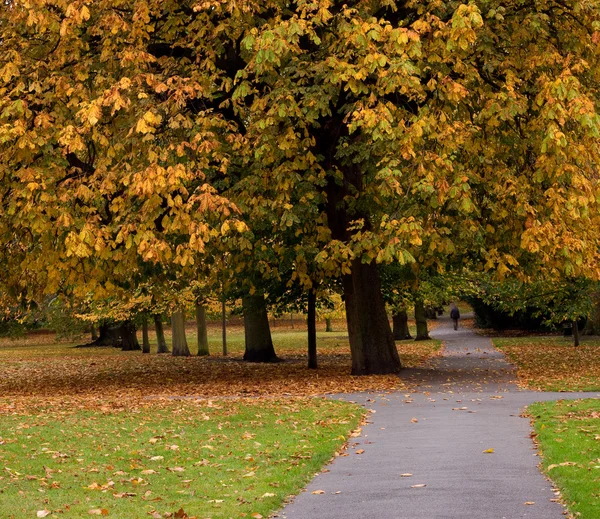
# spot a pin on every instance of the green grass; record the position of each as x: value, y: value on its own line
x: 568, y: 434
x: 218, y: 460
x: 553, y: 363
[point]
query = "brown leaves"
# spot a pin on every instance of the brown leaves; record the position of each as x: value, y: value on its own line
x: 98, y: 511
x: 554, y: 364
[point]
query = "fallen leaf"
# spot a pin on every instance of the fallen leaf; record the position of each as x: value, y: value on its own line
x: 318, y: 492
x: 360, y: 451
x: 43, y: 513
x: 256, y: 515
x: 488, y: 451
x: 530, y: 502
x: 420, y: 485
x: 268, y: 494
x: 98, y: 511
x: 406, y: 475
x: 414, y: 420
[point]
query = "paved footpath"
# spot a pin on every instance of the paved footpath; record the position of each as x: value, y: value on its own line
x: 466, y: 403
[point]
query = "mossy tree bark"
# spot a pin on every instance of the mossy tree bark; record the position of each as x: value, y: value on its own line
x: 179, y: 343
x: 257, y: 333
x: 160, y: 335
x: 328, y: 326
x: 421, y: 319
x: 202, y: 330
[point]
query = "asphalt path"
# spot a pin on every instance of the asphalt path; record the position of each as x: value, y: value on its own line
x: 428, y: 454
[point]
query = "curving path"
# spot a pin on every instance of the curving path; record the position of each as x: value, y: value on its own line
x: 466, y: 402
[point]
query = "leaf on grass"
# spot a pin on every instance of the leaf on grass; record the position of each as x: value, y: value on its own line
x: 149, y: 471
x: 563, y: 464
x: 250, y: 474
x: 43, y: 513
x: 180, y: 514
x: 256, y: 515
x: 268, y: 494
x: 98, y: 511
x: 176, y: 469
x: 157, y: 458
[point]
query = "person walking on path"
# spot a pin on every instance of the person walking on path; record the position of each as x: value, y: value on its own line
x: 454, y: 315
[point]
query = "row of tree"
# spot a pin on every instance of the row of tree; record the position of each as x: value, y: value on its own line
x: 162, y: 151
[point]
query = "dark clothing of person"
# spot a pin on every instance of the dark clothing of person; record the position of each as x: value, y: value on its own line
x: 455, y: 316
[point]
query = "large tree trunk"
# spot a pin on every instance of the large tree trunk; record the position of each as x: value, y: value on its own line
x: 160, y: 335
x: 575, y: 332
x: 422, y: 331
x: 312, y: 329
x: 145, y: 337
x: 400, y: 329
x: 202, y: 330
x: 371, y: 342
x: 129, y: 337
x: 179, y: 342
x: 259, y: 345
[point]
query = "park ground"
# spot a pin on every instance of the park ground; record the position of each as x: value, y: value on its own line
x: 97, y: 431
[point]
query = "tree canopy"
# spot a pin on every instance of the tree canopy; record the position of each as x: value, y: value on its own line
x: 170, y: 133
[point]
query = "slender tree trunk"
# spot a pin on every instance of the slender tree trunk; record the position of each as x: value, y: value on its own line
x: 328, y: 327
x: 575, y: 332
x: 371, y: 342
x: 202, y: 330
x: 312, y: 329
x: 179, y: 342
x: 259, y: 345
x: 145, y: 337
x: 129, y: 337
x: 224, y: 326
x: 160, y: 335
x: 422, y: 331
x: 400, y: 322
x: 94, y: 333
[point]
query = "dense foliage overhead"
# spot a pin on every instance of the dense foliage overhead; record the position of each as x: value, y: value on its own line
x: 371, y: 131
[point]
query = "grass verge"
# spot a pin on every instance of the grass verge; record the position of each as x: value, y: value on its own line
x: 568, y: 434
x: 211, y: 460
x: 553, y: 363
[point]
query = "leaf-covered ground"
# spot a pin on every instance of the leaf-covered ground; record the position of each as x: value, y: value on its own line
x: 553, y: 363
x: 568, y: 434
x: 40, y: 367
x: 164, y: 458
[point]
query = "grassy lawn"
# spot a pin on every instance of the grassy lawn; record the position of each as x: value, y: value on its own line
x: 553, y: 363
x: 213, y: 460
x: 38, y: 366
x: 568, y: 434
